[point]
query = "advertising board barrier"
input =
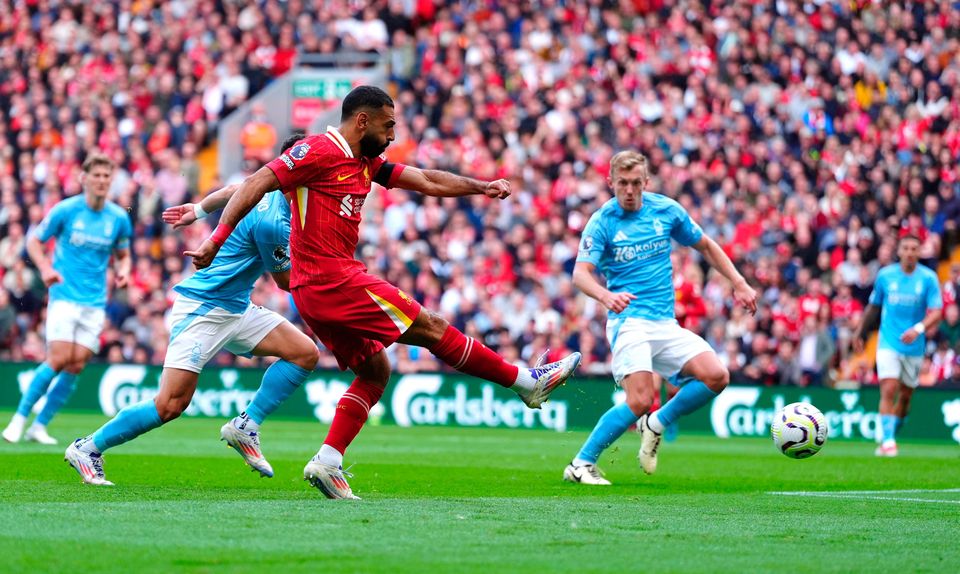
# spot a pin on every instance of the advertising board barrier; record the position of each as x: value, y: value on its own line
x: 452, y: 399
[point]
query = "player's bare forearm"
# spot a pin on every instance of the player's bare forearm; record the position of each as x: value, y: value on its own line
x: 585, y: 280
x: 122, y: 261
x: 743, y: 294
x: 249, y: 193
x: 869, y: 319
x: 122, y: 265
x: 445, y: 184
x: 37, y: 253
x: 932, y: 319
x: 219, y: 199
x: 718, y: 259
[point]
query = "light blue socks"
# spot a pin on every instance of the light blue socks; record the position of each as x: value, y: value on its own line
x: 41, y: 380
x: 279, y: 382
x: 57, y: 397
x: 129, y: 423
x: 888, y: 424
x: 691, y: 396
x: 609, y: 428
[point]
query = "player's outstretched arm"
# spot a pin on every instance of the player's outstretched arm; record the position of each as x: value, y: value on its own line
x: 250, y: 193
x: 183, y: 215
x: 585, y: 280
x: 48, y: 274
x: 743, y: 293
x: 122, y: 263
x: 445, y: 184
x: 867, y: 321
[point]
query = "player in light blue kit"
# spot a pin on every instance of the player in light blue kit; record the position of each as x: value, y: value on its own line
x: 213, y: 311
x: 629, y: 240
x: 89, y: 230
x: 906, y: 297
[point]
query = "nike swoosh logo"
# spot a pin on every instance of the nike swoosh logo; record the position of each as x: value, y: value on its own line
x: 343, y: 177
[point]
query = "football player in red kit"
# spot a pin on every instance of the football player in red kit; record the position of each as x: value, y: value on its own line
x: 353, y: 313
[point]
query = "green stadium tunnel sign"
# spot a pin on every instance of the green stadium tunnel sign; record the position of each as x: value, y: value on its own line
x: 458, y: 400
x: 322, y: 88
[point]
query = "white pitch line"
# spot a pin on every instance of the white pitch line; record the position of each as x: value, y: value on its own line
x: 872, y: 495
x: 906, y: 491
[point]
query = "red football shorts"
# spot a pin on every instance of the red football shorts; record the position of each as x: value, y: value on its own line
x: 357, y: 317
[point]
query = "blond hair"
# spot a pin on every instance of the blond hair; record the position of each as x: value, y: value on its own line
x: 96, y: 159
x: 627, y: 160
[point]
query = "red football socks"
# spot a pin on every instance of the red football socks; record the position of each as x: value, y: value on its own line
x: 472, y: 357
x: 352, y: 411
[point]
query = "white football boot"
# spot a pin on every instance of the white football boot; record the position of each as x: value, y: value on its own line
x: 584, y: 474
x: 14, y: 430
x: 888, y: 450
x: 548, y: 378
x: 38, y: 433
x: 88, y: 465
x: 247, y: 444
x: 649, y: 444
x: 329, y: 480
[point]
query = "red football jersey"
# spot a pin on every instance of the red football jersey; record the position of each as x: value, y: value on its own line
x: 329, y: 186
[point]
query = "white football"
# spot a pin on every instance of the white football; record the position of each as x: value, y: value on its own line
x: 799, y: 430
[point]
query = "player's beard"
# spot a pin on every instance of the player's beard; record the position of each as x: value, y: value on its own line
x: 371, y: 146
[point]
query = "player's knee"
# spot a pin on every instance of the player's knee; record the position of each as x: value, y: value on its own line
x: 171, y: 408
x: 718, y: 379
x: 74, y: 367
x: 58, y: 363
x: 306, y: 356
x: 640, y: 403
x: 375, y: 370
x: 433, y: 328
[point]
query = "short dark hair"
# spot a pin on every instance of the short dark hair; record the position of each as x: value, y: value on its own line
x: 292, y: 139
x: 369, y: 97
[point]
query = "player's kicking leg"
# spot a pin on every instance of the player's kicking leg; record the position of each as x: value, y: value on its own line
x: 467, y: 355
x: 703, y: 378
x: 299, y: 356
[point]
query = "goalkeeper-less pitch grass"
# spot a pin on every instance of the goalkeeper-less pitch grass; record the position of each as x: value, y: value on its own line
x: 471, y: 500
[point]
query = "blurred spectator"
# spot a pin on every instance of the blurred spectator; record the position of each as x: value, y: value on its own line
x: 949, y: 330
x: 259, y: 137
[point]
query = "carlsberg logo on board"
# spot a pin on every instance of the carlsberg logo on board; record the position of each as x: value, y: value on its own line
x: 735, y: 413
x: 417, y: 401
x: 124, y: 385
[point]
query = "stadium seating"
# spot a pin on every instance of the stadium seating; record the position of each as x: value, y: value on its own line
x: 804, y: 167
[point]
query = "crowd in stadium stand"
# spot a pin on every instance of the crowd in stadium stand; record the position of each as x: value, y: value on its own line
x: 805, y: 137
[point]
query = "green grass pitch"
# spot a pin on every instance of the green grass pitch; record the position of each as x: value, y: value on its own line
x: 470, y: 500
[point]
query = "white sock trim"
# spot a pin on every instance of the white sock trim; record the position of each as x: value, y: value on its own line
x: 654, y: 424
x: 525, y: 381
x: 329, y: 456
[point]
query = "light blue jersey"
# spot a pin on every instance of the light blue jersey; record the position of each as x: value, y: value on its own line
x: 260, y: 243
x: 632, y: 250
x: 904, y: 301
x: 85, y: 241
